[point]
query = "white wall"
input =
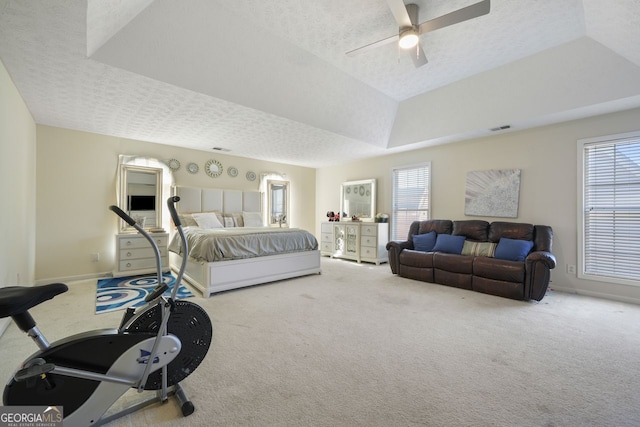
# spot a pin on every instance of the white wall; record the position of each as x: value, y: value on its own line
x: 17, y: 188
x: 76, y: 183
x: 547, y: 157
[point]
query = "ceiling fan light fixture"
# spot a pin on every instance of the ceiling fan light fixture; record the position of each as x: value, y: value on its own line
x: 408, y: 38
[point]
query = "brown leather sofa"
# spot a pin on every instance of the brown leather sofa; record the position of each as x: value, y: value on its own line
x: 522, y: 280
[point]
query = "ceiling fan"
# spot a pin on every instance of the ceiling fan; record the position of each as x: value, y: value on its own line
x: 409, y: 30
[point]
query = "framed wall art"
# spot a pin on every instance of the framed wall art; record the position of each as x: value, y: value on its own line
x: 492, y: 193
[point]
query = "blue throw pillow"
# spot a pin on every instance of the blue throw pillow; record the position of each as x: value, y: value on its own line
x: 424, y: 242
x: 448, y: 243
x: 512, y: 249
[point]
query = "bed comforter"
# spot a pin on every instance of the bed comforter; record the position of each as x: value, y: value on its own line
x: 224, y: 244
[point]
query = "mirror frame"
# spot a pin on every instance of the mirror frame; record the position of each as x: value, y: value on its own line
x: 124, y: 195
x: 363, y: 216
x: 273, y: 222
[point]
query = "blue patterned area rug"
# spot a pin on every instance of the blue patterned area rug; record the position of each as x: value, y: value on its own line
x: 118, y: 293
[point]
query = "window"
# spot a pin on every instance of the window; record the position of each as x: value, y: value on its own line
x: 609, y: 209
x: 411, y: 198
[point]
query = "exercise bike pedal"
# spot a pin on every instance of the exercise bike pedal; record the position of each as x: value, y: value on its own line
x: 33, y: 371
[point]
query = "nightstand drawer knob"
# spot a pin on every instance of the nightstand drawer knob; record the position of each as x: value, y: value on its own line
x: 128, y: 264
x: 128, y: 242
x: 128, y: 254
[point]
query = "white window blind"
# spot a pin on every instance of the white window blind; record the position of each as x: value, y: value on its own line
x: 411, y: 198
x: 611, y: 208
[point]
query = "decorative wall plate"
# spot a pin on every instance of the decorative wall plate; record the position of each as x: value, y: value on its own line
x: 193, y: 168
x: 173, y: 164
x: 233, y: 172
x: 251, y: 176
x: 213, y: 168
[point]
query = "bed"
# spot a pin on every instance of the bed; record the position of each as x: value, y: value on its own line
x: 235, y: 255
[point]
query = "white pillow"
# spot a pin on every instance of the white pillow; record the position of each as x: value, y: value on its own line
x: 207, y: 220
x: 252, y: 219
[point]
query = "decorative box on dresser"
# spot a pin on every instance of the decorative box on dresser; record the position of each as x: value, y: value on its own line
x: 358, y: 241
x: 134, y: 254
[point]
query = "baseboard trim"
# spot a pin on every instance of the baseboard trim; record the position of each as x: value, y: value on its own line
x: 601, y: 295
x: 74, y: 278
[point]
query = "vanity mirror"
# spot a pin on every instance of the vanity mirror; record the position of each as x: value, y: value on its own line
x: 358, y: 198
x: 140, y: 196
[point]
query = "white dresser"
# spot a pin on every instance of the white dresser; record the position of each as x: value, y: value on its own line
x: 134, y: 254
x: 359, y: 241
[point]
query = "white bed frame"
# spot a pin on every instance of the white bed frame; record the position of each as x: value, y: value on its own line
x: 212, y: 277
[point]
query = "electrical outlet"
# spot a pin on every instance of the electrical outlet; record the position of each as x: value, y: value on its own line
x: 95, y: 257
x: 571, y: 269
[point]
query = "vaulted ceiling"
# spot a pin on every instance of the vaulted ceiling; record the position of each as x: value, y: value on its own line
x: 270, y: 79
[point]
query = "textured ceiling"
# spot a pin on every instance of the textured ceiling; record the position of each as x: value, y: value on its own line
x: 271, y: 81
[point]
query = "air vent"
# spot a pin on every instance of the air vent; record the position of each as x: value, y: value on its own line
x: 220, y: 149
x: 500, y: 128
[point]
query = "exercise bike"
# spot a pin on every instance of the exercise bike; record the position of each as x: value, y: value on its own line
x: 154, y: 348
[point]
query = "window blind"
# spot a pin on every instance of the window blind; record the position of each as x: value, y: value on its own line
x: 411, y: 198
x: 611, y: 203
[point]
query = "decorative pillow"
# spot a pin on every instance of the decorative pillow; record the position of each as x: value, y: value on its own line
x: 449, y: 244
x: 424, y: 242
x: 237, y: 219
x: 252, y: 219
x: 512, y: 249
x: 487, y: 249
x: 229, y: 222
x: 207, y: 220
x: 187, y: 220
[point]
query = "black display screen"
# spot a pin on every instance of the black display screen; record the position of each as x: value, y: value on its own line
x: 142, y: 203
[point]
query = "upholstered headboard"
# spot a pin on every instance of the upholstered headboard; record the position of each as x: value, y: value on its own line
x: 196, y: 199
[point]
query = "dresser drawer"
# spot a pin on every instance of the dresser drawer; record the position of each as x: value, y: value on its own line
x: 326, y: 247
x: 369, y: 252
x: 141, y: 264
x: 327, y: 237
x: 370, y: 241
x: 141, y: 253
x: 141, y: 242
x: 369, y: 230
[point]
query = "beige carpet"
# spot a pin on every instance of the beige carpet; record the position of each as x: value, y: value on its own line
x: 356, y: 346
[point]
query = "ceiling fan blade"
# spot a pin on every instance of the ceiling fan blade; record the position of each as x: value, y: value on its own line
x: 460, y: 15
x: 418, y: 56
x: 373, y: 45
x: 399, y: 11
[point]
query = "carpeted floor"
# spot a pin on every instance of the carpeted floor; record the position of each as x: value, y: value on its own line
x: 356, y: 346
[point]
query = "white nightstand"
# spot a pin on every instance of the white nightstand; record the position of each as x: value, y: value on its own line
x: 134, y: 254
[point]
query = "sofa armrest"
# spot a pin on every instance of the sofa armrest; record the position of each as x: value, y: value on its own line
x: 547, y: 258
x: 538, y: 268
x: 394, y: 248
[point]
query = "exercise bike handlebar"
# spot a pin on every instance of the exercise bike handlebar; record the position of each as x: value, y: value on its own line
x: 123, y: 215
x: 171, y: 201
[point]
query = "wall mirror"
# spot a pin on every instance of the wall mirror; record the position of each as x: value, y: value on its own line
x: 278, y: 203
x: 358, y: 198
x: 141, y: 196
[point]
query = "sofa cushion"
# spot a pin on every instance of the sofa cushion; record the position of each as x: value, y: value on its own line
x: 473, y: 229
x: 449, y: 244
x: 453, y: 263
x: 511, y: 230
x: 499, y: 269
x: 424, y: 242
x: 487, y: 249
x: 513, y: 249
x: 416, y: 259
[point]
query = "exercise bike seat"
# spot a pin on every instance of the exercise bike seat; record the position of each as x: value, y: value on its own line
x: 15, y: 300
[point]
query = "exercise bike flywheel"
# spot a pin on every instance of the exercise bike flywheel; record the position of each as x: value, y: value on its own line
x: 191, y: 324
